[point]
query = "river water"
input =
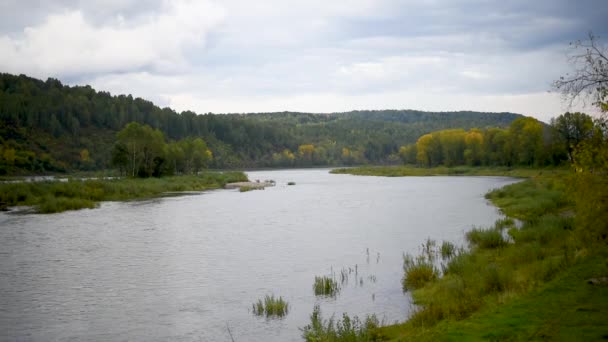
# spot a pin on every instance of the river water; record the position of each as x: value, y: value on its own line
x: 188, y: 268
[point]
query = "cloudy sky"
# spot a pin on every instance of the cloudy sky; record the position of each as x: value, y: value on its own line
x: 312, y: 55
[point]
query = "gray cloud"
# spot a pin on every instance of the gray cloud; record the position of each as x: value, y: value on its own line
x: 233, y: 55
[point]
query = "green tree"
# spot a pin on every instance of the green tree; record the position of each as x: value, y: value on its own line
x: 572, y: 129
x: 144, y: 146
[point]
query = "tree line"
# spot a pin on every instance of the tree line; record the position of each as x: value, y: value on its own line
x: 48, y: 126
x: 526, y: 142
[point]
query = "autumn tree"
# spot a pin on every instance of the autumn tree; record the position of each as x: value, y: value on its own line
x: 473, y: 153
x: 589, y: 60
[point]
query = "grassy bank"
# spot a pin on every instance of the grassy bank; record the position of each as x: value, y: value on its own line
x: 402, y: 171
x: 55, y: 196
x: 512, y: 282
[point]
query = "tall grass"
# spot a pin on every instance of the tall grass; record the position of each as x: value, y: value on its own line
x: 345, y: 329
x: 56, y: 196
x: 325, y: 286
x: 417, y: 271
x: 494, y: 270
x: 271, y: 307
x: 486, y: 238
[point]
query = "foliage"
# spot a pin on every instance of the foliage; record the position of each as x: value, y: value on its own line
x: 47, y: 124
x: 345, y: 330
x: 527, y: 142
x: 270, y: 307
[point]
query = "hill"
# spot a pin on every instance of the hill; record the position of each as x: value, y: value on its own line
x: 48, y: 126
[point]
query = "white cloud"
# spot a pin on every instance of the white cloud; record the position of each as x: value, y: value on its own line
x: 302, y: 55
x: 65, y: 44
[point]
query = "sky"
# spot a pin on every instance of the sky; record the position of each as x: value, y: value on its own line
x: 239, y: 56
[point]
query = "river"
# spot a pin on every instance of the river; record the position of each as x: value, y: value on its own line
x: 188, y: 268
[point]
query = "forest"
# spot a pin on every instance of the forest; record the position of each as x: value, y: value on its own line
x: 46, y: 126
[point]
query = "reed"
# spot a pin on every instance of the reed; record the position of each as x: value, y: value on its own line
x: 325, y: 286
x: 271, y: 306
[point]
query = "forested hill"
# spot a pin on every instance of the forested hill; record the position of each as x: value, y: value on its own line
x: 48, y: 126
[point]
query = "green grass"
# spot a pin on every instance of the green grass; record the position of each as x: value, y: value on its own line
x: 418, y: 271
x: 486, y: 238
x: 523, y: 279
x: 55, y: 196
x: 345, y: 329
x: 271, y: 307
x: 325, y: 286
x: 534, y: 197
x: 402, y: 171
x: 530, y: 286
x: 566, y: 308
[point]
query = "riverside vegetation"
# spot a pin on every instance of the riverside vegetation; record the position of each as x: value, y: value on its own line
x: 524, y: 278
x: 57, y: 196
x: 540, y: 278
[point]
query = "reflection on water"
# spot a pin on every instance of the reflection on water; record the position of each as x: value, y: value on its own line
x: 188, y: 268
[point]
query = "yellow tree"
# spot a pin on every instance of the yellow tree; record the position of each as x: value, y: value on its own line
x: 473, y: 141
x: 305, y: 152
x: 452, y: 146
x: 424, y: 151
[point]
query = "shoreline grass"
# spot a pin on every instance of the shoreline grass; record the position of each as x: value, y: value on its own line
x: 525, y: 278
x: 484, y: 286
x: 413, y: 171
x: 57, y: 196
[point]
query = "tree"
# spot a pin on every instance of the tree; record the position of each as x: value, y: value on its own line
x: 120, y: 157
x: 428, y: 150
x: 407, y: 154
x: 526, y: 136
x: 474, y: 146
x: 305, y: 152
x: 144, y: 146
x: 590, y: 61
x: 572, y: 129
x: 590, y: 157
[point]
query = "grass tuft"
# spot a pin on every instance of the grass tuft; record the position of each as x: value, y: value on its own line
x: 271, y: 307
x: 486, y: 238
x: 325, y: 286
x: 345, y: 329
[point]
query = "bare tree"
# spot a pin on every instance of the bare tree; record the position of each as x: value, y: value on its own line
x: 589, y: 59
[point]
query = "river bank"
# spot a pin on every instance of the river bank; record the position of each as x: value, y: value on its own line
x: 407, y: 170
x: 510, y: 282
x: 73, y: 194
